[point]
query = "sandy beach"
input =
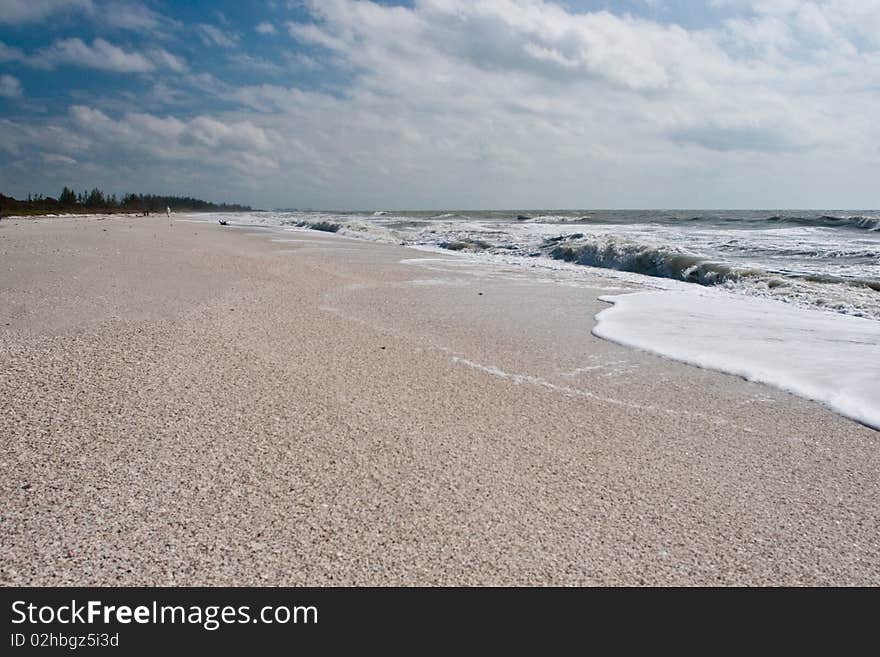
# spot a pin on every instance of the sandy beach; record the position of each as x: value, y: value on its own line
x: 187, y: 404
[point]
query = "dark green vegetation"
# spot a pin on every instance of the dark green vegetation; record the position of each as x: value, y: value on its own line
x: 96, y: 200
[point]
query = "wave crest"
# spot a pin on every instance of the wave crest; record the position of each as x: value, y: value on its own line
x: 831, y: 221
x: 649, y: 260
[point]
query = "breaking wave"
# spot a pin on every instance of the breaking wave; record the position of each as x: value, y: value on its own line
x: 650, y: 260
x: 822, y: 260
x: 323, y: 226
x: 830, y: 221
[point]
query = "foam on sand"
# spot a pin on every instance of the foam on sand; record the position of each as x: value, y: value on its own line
x: 828, y: 357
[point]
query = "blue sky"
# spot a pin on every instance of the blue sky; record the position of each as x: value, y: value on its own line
x: 446, y: 103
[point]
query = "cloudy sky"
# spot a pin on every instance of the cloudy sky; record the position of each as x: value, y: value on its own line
x: 349, y: 104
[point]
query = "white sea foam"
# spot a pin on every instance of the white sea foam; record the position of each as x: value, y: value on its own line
x: 828, y: 357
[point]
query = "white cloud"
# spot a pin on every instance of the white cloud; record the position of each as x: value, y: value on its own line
x: 29, y: 11
x: 575, y: 108
x: 214, y: 133
x: 265, y: 28
x: 123, y: 14
x: 10, y: 53
x: 833, y: 20
x: 131, y: 15
x: 102, y: 55
x: 164, y: 59
x: 19, y: 138
x: 202, y: 138
x: 10, y: 87
x: 214, y: 36
x: 251, y: 63
x: 89, y: 117
x: 57, y: 159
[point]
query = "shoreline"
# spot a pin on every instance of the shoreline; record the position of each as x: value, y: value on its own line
x: 194, y: 405
x: 119, y: 213
x: 785, y: 342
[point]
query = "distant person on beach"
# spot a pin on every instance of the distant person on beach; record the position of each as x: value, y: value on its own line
x: 168, y: 211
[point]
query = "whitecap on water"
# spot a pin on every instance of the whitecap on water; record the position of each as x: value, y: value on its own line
x: 828, y: 357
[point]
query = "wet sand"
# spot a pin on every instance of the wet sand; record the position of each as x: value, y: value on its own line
x: 186, y: 404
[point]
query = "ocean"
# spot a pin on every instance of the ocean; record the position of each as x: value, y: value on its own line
x: 787, y: 298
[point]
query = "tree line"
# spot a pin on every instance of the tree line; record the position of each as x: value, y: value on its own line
x: 96, y: 200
